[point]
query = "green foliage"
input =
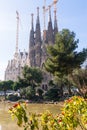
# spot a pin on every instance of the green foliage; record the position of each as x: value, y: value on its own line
x: 72, y: 116
x: 63, y: 57
x: 30, y: 92
x: 20, y: 113
x: 27, y: 93
x: 16, y: 86
x: 52, y: 94
x: 12, y: 97
x: 6, y: 85
x: 79, y: 79
x: 31, y: 77
x: 40, y: 92
x: 74, y: 113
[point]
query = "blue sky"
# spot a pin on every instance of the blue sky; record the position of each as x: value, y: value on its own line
x: 71, y: 14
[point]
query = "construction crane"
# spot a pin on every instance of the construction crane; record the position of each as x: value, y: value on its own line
x: 45, y: 9
x: 44, y: 15
x: 54, y: 3
x: 17, y: 36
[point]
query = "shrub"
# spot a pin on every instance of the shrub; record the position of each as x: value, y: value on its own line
x: 52, y: 94
x: 73, y: 114
x: 13, y: 97
x: 27, y: 93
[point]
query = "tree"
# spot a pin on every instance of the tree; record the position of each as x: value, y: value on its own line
x: 63, y: 57
x: 40, y: 92
x: 18, y: 84
x: 31, y: 77
x: 6, y: 85
x: 79, y: 79
x: 52, y: 94
x: 27, y: 93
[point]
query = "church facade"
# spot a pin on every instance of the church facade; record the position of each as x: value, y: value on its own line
x: 37, y: 49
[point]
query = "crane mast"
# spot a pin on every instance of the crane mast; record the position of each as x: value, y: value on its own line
x: 55, y: 8
x: 17, y: 36
x: 44, y: 14
x: 17, y: 33
x: 54, y: 3
x: 46, y: 9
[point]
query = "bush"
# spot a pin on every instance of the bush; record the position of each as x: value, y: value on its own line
x: 73, y: 114
x: 40, y: 92
x: 52, y: 94
x: 27, y: 93
x: 13, y: 97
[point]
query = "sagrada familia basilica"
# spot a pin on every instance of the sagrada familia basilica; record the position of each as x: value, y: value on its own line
x: 37, y: 47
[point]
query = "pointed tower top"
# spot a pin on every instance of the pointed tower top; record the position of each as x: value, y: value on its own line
x: 55, y: 19
x: 37, y: 31
x: 55, y: 23
x: 38, y: 11
x: 37, y: 14
x: 32, y: 27
x: 50, y: 28
x: 49, y: 13
x: 31, y: 39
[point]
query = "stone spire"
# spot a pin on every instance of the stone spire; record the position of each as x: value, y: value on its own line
x: 37, y: 41
x: 55, y: 24
x: 32, y: 44
x: 50, y: 14
x: 50, y: 29
x: 32, y: 26
x: 37, y: 31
